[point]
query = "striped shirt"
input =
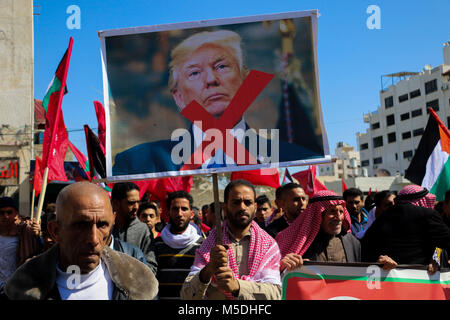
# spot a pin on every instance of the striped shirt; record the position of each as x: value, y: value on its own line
x: 173, y: 267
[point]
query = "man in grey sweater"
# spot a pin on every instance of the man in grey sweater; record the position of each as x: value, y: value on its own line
x: 128, y: 228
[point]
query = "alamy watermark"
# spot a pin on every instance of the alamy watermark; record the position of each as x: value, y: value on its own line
x: 74, y: 20
x: 374, y: 20
x: 374, y: 277
x: 73, y: 281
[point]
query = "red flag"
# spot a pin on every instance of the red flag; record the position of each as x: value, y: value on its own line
x: 100, y: 112
x: 96, y: 154
x: 159, y: 188
x: 37, y: 181
x: 344, y: 186
x: 261, y: 177
x: 55, y: 136
x: 370, y: 190
x: 307, y: 179
x: 82, y: 160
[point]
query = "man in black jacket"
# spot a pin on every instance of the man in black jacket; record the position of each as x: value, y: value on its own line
x: 125, y: 200
x: 81, y: 266
x: 408, y: 232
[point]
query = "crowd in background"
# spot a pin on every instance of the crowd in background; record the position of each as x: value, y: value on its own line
x: 182, y: 257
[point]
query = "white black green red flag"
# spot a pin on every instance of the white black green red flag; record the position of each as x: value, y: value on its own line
x: 430, y: 166
x: 362, y: 281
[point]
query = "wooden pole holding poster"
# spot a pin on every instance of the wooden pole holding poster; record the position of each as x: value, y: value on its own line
x: 217, y: 209
x: 32, y: 204
x: 42, y: 195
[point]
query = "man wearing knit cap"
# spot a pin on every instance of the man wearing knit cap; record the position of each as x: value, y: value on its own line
x: 321, y: 233
x: 409, y: 231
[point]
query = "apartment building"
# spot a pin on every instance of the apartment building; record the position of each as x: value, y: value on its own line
x: 347, y: 164
x: 395, y: 129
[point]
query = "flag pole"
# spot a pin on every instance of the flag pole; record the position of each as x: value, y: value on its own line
x: 32, y: 204
x: 217, y: 209
x: 42, y: 195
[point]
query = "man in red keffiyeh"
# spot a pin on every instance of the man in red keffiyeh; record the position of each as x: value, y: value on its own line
x: 417, y: 196
x: 246, y: 265
x: 321, y: 233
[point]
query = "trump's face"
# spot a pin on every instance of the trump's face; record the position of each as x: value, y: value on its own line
x: 211, y: 76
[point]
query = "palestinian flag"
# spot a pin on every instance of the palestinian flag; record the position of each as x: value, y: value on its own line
x: 430, y: 166
x: 363, y: 281
x: 287, y: 177
x: 54, y: 86
x: 55, y: 141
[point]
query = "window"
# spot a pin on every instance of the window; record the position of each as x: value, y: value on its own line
x: 403, y: 97
x: 416, y: 113
x: 407, y: 154
x: 431, y: 86
x: 433, y: 104
x: 377, y: 160
x: 406, y: 135
x: 390, y: 120
x: 364, y: 146
x: 391, y: 137
x: 418, y: 132
x: 375, y: 125
x: 39, y: 138
x: 414, y: 94
x: 389, y: 102
x: 365, y: 163
x: 404, y: 116
x: 448, y: 122
x: 378, y: 141
x: 396, y: 156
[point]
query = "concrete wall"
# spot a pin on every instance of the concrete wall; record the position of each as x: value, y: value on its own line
x: 16, y: 90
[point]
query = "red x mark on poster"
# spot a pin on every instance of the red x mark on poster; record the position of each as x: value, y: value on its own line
x: 251, y: 87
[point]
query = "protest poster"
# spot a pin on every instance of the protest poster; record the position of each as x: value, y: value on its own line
x: 212, y: 96
x: 362, y: 281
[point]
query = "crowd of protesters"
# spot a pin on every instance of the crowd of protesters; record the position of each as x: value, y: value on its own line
x: 121, y: 248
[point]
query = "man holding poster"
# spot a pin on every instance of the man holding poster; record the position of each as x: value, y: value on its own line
x: 208, y: 68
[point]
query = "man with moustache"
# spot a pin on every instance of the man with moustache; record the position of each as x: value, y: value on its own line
x: 128, y: 228
x: 81, y: 266
x: 321, y: 234
x: 175, y: 248
x: 245, y: 266
x: 292, y: 200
